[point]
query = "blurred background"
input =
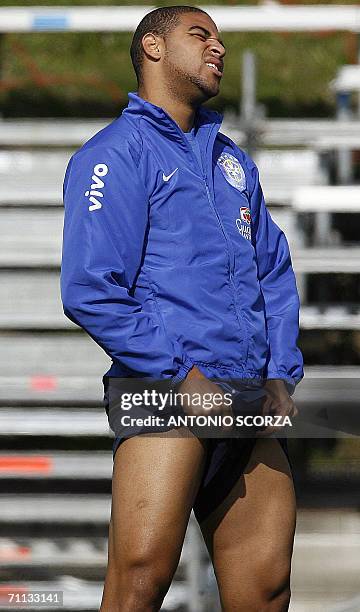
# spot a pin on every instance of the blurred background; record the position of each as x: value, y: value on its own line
x: 291, y: 97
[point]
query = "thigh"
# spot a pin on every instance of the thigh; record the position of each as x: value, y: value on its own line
x: 155, y: 481
x: 250, y: 535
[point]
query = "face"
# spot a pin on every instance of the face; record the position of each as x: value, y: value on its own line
x: 194, y: 57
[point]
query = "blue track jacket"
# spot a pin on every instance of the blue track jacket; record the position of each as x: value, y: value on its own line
x: 168, y: 263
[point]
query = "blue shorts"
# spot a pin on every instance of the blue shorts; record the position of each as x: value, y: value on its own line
x: 226, y: 460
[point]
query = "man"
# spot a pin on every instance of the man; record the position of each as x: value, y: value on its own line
x: 172, y: 264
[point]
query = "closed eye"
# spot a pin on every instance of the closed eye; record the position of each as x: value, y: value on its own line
x: 201, y: 36
x: 204, y: 35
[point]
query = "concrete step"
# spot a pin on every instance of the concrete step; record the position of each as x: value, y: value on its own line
x: 32, y: 177
x: 30, y: 237
x: 31, y: 300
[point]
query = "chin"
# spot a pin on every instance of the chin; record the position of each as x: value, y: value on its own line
x: 204, y: 88
x: 207, y: 91
x: 211, y: 91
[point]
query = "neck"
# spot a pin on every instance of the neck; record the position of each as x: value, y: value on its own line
x: 182, y: 112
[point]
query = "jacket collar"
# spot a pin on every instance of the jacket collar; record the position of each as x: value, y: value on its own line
x: 205, y: 120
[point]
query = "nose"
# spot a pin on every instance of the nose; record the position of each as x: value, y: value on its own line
x: 217, y: 48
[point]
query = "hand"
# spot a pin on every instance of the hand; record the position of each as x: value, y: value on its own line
x: 196, y: 384
x: 277, y: 402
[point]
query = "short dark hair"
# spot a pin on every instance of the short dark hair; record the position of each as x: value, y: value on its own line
x: 160, y: 21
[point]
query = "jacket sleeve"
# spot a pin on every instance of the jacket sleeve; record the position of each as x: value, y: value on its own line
x: 278, y: 286
x: 103, y: 242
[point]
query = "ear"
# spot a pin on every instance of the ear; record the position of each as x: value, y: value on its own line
x: 153, y: 45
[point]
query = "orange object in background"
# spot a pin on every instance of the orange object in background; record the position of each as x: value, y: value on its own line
x: 21, y: 464
x: 43, y: 383
x: 10, y: 553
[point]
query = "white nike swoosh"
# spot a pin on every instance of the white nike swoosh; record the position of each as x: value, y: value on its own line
x: 167, y: 178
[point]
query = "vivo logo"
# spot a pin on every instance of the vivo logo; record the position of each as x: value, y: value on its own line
x: 94, y: 192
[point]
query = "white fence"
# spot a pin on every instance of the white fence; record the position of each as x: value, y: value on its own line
x: 232, y: 19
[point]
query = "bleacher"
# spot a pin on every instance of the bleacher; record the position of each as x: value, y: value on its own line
x: 283, y: 171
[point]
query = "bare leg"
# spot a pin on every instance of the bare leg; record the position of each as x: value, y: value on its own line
x: 250, y: 536
x: 155, y: 481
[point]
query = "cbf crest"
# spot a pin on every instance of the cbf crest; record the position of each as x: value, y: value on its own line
x: 244, y: 222
x: 232, y: 171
